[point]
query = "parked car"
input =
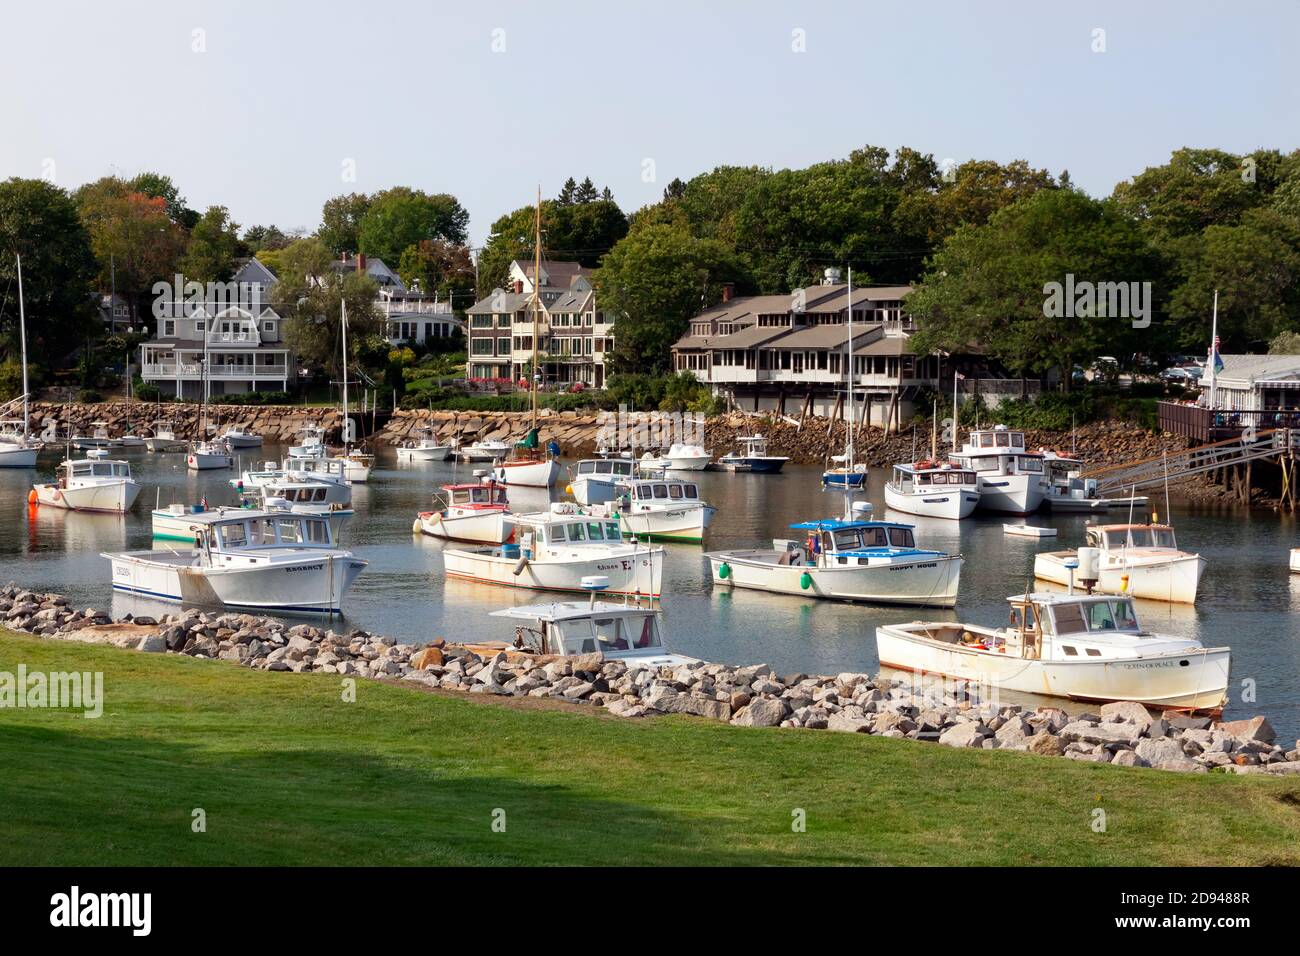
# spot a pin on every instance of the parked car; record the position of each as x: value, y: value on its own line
x: 1183, y: 376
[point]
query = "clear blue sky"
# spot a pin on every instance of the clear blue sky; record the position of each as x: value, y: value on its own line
x: 414, y: 93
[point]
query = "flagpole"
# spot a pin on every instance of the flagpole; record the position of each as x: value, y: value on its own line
x: 1214, y: 355
x: 956, y: 420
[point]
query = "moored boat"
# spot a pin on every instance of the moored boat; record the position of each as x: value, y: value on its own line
x: 1076, y: 646
x: 1065, y: 490
x: 164, y: 438
x: 90, y: 485
x: 1009, y: 477
x: 484, y: 451
x: 850, y: 559
x: 209, y: 455
x: 237, y: 436
x: 176, y: 522
x: 262, y: 560
x: 1295, y: 560
x: 98, y: 438
x: 476, y: 512
x: 660, y: 509
x: 554, y: 550
x: 425, y: 447
x: 597, y: 479
x: 933, y: 489
x: 1136, y: 559
x: 752, y: 457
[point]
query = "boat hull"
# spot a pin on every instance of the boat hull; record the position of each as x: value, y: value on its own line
x: 208, y: 461
x: 687, y: 462
x: 637, y: 573
x: 671, y: 524
x: 1158, y: 681
x: 116, y: 497
x: 757, y: 466
x: 243, y: 441
x: 1174, y: 580
x: 17, y: 456
x: 844, y: 479
x: 435, y: 453
x: 164, y: 444
x: 527, y: 474
x: 954, y: 503
x: 1010, y: 494
x: 930, y: 581
x: 1295, y: 560
x: 315, y: 584
x: 488, y: 527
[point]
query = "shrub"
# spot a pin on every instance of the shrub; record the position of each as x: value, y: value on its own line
x: 254, y: 398
x: 89, y: 396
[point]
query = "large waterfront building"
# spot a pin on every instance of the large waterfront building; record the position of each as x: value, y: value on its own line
x: 573, y: 336
x: 789, y: 353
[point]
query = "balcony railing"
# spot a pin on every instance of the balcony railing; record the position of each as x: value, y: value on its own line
x: 171, y: 371
x: 242, y: 337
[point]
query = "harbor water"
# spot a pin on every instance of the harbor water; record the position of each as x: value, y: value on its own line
x: 1248, y: 599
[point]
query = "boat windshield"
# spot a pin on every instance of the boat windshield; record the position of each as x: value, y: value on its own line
x: 303, y: 530
x: 1095, y: 617
x: 1141, y: 538
x: 619, y: 633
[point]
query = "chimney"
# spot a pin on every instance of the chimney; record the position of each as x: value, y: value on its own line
x: 728, y: 291
x: 361, y: 262
x: 519, y: 286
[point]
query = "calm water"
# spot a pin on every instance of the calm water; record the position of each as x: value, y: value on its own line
x: 1248, y: 600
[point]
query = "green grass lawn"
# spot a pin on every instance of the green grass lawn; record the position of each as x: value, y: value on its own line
x: 288, y: 773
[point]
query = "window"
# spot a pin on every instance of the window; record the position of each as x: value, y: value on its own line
x: 268, y: 327
x: 873, y: 537
x: 291, y: 530
x: 846, y: 540
x: 692, y: 491
x: 661, y: 491
x: 644, y: 492
x: 1100, y: 617
x: 1125, y: 619
x: 594, y: 532
x: 1069, y: 651
x: 169, y: 327
x: 611, y: 531
x: 234, y: 536
x: 1069, y: 619
x: 1003, y: 439
x: 649, y: 633
x: 609, y: 634
x: 576, y: 532
x: 557, y: 535
x: 586, y: 467
x: 901, y: 538
x: 1028, y: 464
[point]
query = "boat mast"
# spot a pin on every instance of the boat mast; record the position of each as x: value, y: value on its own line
x: 22, y: 332
x: 537, y: 300
x: 848, y: 443
x: 1214, y: 355
x: 343, y: 304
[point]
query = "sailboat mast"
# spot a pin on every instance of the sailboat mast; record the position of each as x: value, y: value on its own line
x: 22, y: 332
x: 537, y: 280
x: 343, y: 303
x: 848, y: 445
x: 1214, y: 354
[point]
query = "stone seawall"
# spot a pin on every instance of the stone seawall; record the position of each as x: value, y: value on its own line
x: 1124, y: 733
x: 275, y: 423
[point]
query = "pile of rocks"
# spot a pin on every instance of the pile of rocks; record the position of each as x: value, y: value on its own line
x: 1124, y: 733
x: 275, y: 423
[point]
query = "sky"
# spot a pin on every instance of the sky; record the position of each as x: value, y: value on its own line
x: 272, y: 107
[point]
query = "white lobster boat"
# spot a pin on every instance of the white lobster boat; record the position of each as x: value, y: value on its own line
x: 209, y: 455
x: 678, y: 457
x: 1010, y: 478
x: 618, y: 632
x: 597, y: 480
x: 328, y: 470
x: 237, y: 436
x: 311, y: 442
x: 933, y: 489
x: 1141, y: 560
x: 261, y: 560
x: 164, y: 438
x: 876, y: 562
x: 1066, y: 490
x: 556, y: 549
x: 661, y: 509
x: 98, y: 438
x: 424, y: 448
x: 1076, y: 646
x: 356, y: 466
x: 475, y: 512
x: 175, y: 522
x: 90, y: 485
x: 484, y: 451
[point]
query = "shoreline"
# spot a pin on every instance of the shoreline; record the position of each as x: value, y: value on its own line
x: 1122, y: 733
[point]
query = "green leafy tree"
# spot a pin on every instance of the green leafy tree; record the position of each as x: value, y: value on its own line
x: 655, y: 280
x: 441, y: 267
x: 214, y: 244
x: 986, y: 288
x: 402, y: 217
x: 1195, y: 189
x: 158, y: 186
x: 341, y: 222
x: 266, y: 238
x: 41, y: 222
x: 310, y: 295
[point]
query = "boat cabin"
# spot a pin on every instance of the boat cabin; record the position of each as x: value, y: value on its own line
x: 302, y: 493
x: 837, y: 541
x: 752, y: 446
x: 1116, y: 537
x: 326, y: 468
x: 610, y: 468
x: 924, y: 475
x: 998, y: 449
x: 101, y: 469
x: 647, y: 493
x: 484, y: 496
x: 567, y: 526
x: 581, y: 628
x: 265, y: 530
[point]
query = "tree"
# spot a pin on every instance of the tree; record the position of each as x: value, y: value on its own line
x: 158, y: 186
x: 567, y: 192
x: 40, y: 222
x: 654, y: 281
x: 310, y: 294
x: 440, y: 267
x: 1195, y: 189
x: 586, y: 192
x: 341, y: 221
x: 214, y: 243
x: 401, y: 217
x: 1255, y: 266
x: 134, y: 239
x: 1285, y: 343
x: 987, y: 287
x: 270, y: 238
x: 971, y: 194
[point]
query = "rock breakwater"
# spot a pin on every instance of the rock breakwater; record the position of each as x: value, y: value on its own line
x: 1123, y: 733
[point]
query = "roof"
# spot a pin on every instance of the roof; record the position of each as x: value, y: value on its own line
x: 1128, y: 527
x: 569, y: 610
x: 1248, y: 369
x: 1052, y: 597
x: 558, y: 272
x: 839, y: 524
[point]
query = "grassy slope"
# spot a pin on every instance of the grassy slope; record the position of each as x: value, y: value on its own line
x: 288, y: 773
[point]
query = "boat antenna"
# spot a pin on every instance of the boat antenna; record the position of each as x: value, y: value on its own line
x: 537, y: 300
x: 1169, y: 518
x: 934, y: 430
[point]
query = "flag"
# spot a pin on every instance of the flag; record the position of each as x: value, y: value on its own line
x: 1216, y: 360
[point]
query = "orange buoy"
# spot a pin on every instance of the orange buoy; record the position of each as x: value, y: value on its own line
x: 32, y: 497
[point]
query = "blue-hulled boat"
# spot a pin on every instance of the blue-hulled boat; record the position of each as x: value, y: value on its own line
x: 846, y: 559
x: 752, y: 457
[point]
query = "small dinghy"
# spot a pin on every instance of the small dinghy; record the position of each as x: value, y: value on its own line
x: 1029, y: 531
